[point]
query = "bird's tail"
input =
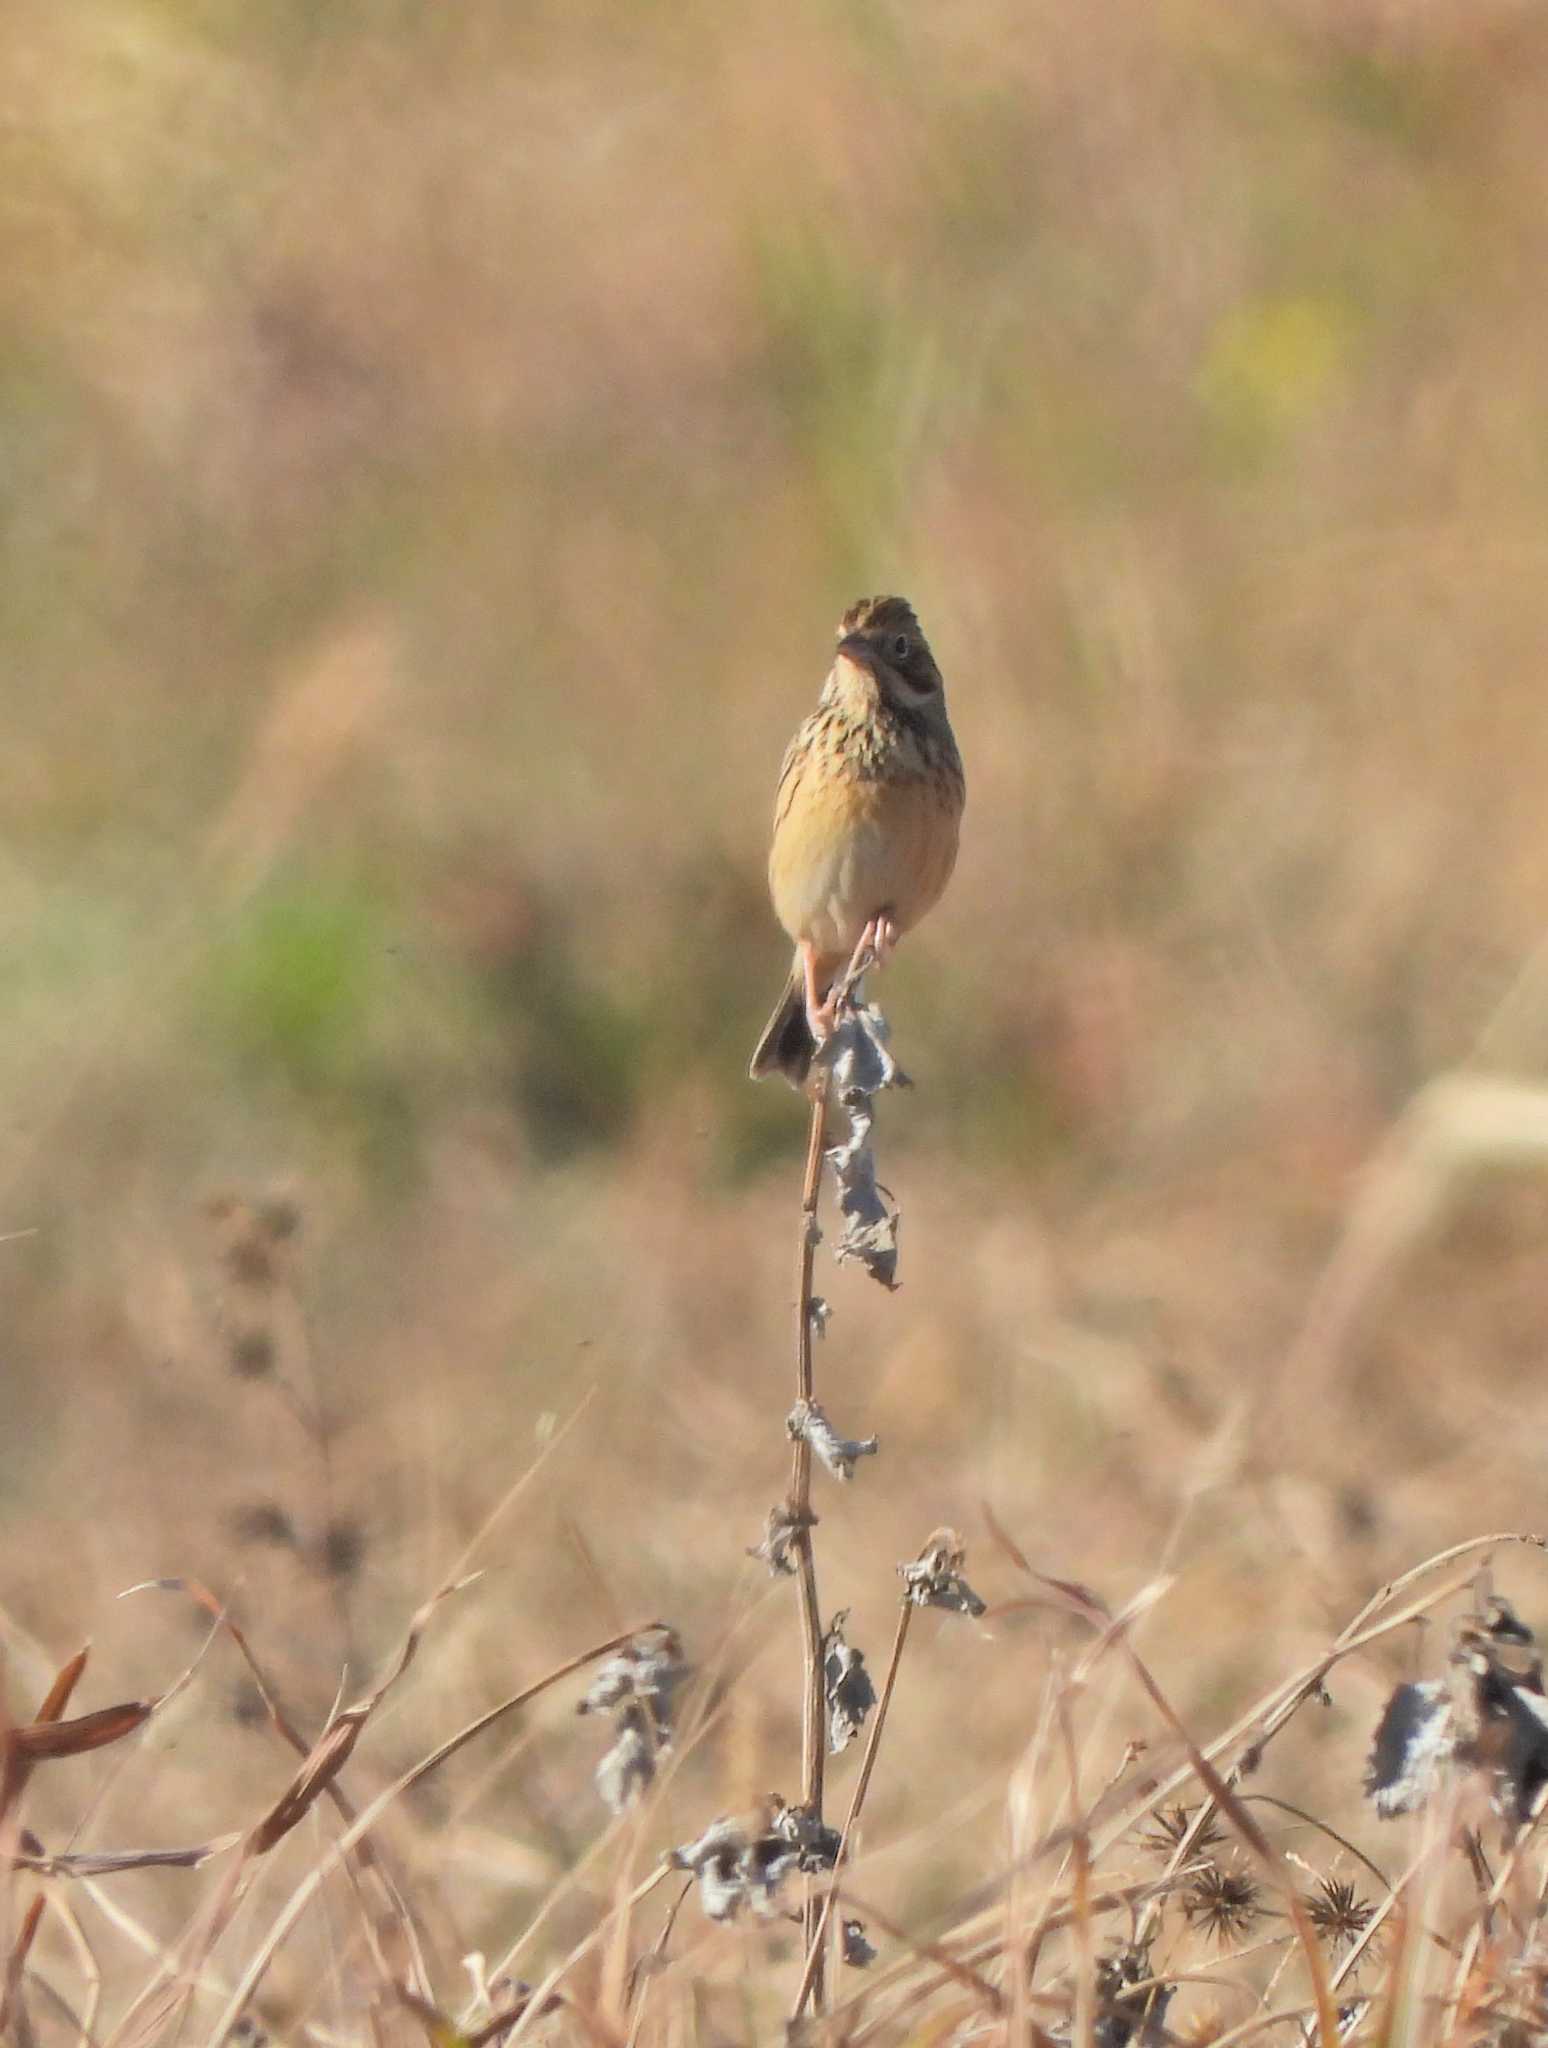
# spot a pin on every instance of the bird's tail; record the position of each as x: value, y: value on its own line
x: 787, y: 1045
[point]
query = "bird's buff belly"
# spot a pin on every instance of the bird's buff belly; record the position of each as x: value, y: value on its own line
x: 838, y: 863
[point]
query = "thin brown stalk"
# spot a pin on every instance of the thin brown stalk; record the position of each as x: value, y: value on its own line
x: 1468, y: 1954
x: 952, y: 1967
x: 1310, y: 1819
x: 1084, y: 2021
x: 1234, y: 1811
x: 537, y: 2004
x: 647, y: 1964
x: 814, y: 1731
x: 961, y: 1965
x: 817, y: 1935
x: 694, y: 1727
x: 337, y: 1850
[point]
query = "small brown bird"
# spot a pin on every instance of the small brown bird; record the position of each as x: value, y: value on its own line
x: 865, y: 820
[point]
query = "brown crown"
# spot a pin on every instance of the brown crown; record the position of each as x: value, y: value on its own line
x: 884, y: 614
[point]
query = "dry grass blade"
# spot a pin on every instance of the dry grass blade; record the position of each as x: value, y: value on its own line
x: 818, y: 1933
x: 13, y: 2017
x: 1455, y: 1124
x: 336, y: 1744
x: 1095, y: 1613
x: 17, y: 1763
x: 370, y: 1859
x: 222, y: 1622
x: 1262, y: 1848
x: 814, y: 1736
x: 539, y: 2000
x: 952, y: 1967
x: 109, y: 1862
x: 41, y: 1741
x: 333, y: 1750
x: 60, y: 1692
x: 336, y: 1851
x: 90, y: 1971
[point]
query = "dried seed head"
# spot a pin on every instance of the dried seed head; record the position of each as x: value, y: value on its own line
x: 1169, y: 1827
x: 264, y: 1521
x: 249, y: 1260
x: 1128, y: 2017
x: 1337, y: 1912
x: 252, y: 1354
x: 279, y: 1216
x: 248, y: 1706
x: 341, y: 1550
x: 1223, y: 1901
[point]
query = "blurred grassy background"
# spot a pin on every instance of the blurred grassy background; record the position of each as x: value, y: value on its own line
x: 438, y: 445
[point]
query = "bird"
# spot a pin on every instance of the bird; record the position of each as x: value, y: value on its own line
x: 866, y: 817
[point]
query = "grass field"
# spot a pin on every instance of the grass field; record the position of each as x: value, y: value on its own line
x: 438, y: 444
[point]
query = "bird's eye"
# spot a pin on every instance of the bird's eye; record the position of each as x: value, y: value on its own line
x: 902, y: 647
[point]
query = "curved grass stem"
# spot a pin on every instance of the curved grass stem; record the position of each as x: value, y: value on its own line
x: 814, y: 1730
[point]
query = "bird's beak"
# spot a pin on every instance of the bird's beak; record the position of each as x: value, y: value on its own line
x: 856, y: 648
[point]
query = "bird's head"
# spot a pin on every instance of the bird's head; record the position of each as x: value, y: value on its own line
x: 881, y: 637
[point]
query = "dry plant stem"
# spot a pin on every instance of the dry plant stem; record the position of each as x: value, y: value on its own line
x: 538, y: 2000
x: 692, y: 1730
x: 651, y: 1960
x: 339, y: 1848
x: 814, y: 1732
x: 1468, y: 1953
x: 817, y: 1935
x: 956, y: 1965
x: 1083, y: 2029
x: 974, y: 1942
x: 953, y: 1971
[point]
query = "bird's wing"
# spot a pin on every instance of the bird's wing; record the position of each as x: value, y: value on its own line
x: 790, y: 769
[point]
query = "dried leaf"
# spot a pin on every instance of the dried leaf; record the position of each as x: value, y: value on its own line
x: 330, y: 1753
x: 648, y: 1669
x: 861, y: 1065
x: 857, y: 1051
x: 58, y: 1695
x: 41, y: 1741
x: 816, y: 1843
x: 780, y: 1530
x: 108, y: 1862
x: 838, y: 1454
x: 857, y: 1950
x: 739, y: 1865
x: 629, y: 1767
x: 870, y: 1224
x: 847, y: 1684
